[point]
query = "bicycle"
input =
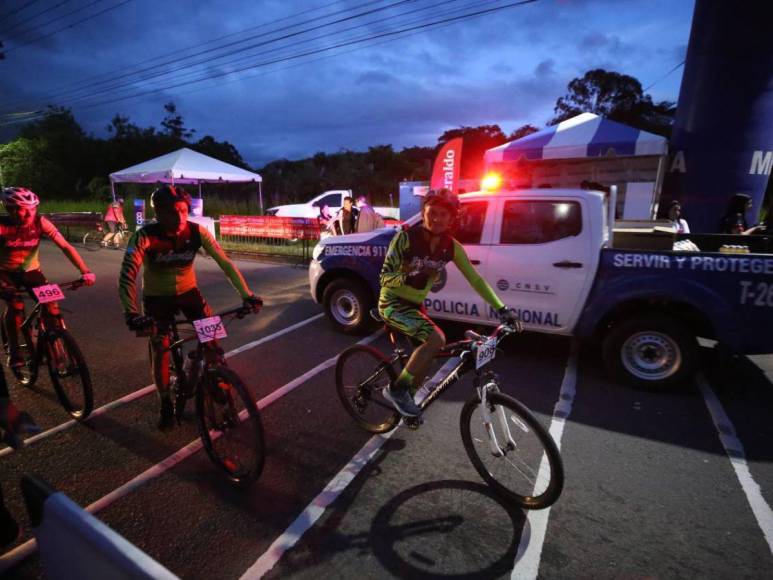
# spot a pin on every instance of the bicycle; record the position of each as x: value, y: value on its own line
x: 505, y: 442
x: 226, y: 413
x: 44, y: 338
x: 93, y: 239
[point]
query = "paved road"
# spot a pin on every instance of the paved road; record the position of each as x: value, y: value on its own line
x: 650, y: 490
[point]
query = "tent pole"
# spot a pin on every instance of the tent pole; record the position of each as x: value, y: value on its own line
x: 260, y: 196
x: 199, y: 189
x: 112, y: 188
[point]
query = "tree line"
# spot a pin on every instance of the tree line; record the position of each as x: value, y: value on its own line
x: 57, y: 158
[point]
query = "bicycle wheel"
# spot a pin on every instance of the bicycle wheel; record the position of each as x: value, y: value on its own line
x: 521, y: 461
x: 230, y: 426
x: 69, y: 374
x: 27, y: 374
x: 362, y: 373
x: 92, y: 241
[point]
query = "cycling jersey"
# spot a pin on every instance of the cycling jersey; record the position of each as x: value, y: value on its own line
x: 167, y: 263
x: 405, y: 274
x: 114, y: 213
x: 20, y: 245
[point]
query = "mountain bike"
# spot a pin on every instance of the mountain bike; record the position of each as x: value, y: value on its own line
x: 44, y: 338
x: 92, y: 240
x: 226, y: 413
x: 505, y: 442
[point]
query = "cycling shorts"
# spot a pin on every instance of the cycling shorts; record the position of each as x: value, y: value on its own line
x: 409, y: 318
x: 163, y: 309
x: 19, y: 280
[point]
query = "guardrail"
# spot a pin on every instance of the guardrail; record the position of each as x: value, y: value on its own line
x: 74, y: 224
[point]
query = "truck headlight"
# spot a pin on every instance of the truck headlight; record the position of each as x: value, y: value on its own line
x: 319, y: 249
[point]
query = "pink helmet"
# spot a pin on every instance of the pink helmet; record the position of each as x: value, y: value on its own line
x: 19, y: 197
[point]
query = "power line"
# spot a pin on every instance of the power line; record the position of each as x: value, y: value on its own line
x: 130, y: 83
x: 319, y: 51
x: 408, y: 31
x: 33, y: 17
x: 112, y: 78
x: 16, y: 10
x: 58, y: 30
x: 644, y: 90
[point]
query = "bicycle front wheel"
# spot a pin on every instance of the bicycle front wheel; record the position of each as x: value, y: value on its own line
x: 70, y: 374
x: 92, y: 241
x: 362, y: 374
x: 513, y: 453
x: 230, y: 426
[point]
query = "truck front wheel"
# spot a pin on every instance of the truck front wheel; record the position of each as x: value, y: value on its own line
x: 650, y: 351
x: 347, y: 304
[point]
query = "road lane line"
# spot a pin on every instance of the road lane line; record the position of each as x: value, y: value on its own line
x: 152, y: 388
x: 316, y: 508
x: 23, y: 551
x: 735, y: 452
x: 529, y: 553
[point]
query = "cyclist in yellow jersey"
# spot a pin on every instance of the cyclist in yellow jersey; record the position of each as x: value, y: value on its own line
x: 165, y: 251
x: 20, y: 234
x: 413, y: 262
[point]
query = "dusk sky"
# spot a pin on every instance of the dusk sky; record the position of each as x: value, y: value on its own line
x: 505, y: 68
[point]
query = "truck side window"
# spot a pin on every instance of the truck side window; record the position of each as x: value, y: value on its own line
x: 472, y: 216
x: 332, y: 200
x: 539, y: 222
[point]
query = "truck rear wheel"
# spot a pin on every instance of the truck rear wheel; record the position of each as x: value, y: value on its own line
x: 650, y: 351
x: 347, y: 304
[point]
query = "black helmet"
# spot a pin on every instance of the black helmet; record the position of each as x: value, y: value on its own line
x: 168, y: 195
x: 443, y: 197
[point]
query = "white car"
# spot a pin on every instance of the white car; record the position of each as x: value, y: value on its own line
x: 334, y: 199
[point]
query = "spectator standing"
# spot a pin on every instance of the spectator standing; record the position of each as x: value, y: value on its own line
x: 734, y: 220
x: 677, y: 221
x: 113, y: 220
x: 326, y: 222
x: 368, y: 219
x: 346, y: 220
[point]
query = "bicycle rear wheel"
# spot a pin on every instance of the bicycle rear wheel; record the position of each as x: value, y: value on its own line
x: 230, y: 426
x: 521, y: 461
x: 362, y: 373
x: 69, y: 374
x: 92, y: 241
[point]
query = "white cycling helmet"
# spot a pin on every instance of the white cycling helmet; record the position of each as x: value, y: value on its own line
x: 20, y: 197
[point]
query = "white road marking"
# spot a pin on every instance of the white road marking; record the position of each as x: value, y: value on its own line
x: 151, y: 388
x: 735, y: 452
x: 529, y: 553
x: 15, y: 556
x: 316, y: 508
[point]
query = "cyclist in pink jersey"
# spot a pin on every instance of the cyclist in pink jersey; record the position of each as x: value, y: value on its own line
x: 20, y: 234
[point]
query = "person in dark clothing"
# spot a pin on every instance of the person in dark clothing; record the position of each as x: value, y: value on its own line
x: 734, y: 220
x: 346, y: 220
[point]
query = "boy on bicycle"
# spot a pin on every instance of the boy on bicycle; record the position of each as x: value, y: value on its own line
x: 20, y: 234
x: 415, y: 258
x: 165, y: 250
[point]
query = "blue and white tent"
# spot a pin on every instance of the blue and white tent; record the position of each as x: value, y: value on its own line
x: 583, y: 136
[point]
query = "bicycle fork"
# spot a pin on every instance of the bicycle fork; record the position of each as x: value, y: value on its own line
x: 488, y: 420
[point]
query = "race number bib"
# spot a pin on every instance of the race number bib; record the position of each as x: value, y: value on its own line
x: 48, y: 293
x: 208, y: 329
x: 486, y: 352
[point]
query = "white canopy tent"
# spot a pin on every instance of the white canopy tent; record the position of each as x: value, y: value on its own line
x: 185, y: 166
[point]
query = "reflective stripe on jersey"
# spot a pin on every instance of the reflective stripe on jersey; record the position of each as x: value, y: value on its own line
x: 19, y: 245
x: 167, y: 263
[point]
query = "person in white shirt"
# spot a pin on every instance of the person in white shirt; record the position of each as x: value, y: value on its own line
x: 675, y: 215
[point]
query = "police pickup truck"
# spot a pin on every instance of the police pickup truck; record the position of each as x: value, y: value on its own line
x: 554, y: 256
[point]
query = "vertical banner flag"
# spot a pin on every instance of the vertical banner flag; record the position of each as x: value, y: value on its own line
x: 445, y: 173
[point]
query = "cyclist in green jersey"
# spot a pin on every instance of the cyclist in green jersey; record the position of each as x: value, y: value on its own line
x: 165, y: 251
x: 413, y: 262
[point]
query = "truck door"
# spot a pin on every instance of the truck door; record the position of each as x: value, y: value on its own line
x: 541, y: 261
x: 452, y: 297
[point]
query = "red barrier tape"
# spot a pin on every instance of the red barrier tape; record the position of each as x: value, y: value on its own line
x: 287, y: 228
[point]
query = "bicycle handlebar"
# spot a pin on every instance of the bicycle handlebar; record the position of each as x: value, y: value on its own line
x: 27, y: 292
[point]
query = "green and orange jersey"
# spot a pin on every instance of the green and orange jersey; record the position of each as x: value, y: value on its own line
x: 167, y: 263
x: 20, y: 245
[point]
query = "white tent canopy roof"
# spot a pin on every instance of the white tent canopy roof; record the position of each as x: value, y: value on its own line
x: 184, y: 166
